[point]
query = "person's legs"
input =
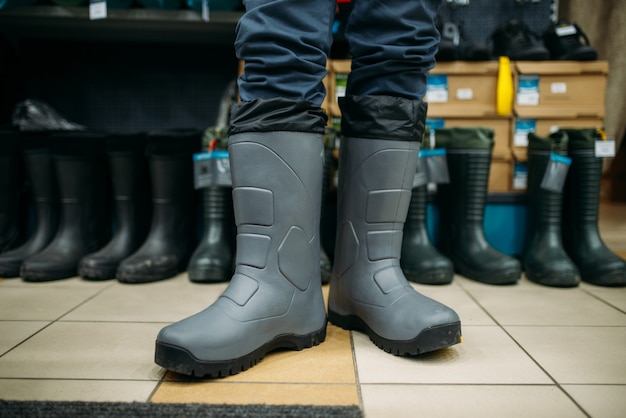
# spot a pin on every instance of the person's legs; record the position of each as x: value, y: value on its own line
x: 274, y: 299
x: 393, y: 43
x: 284, y: 45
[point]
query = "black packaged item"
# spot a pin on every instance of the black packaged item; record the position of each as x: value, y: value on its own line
x: 566, y: 41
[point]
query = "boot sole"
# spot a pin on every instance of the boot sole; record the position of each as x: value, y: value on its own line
x: 96, y: 274
x: 553, y: 279
x: 430, y: 339
x: 180, y: 360
x: 498, y: 278
x: 46, y: 276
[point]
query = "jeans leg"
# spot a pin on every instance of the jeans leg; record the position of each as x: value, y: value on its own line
x: 393, y: 45
x: 284, y: 44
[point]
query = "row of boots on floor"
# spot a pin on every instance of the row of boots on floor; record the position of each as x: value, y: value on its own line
x: 71, y: 177
x: 562, y: 243
x: 107, y: 206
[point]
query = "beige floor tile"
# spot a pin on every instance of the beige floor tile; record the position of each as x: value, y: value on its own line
x: 613, y: 296
x: 41, y: 303
x: 577, y: 355
x: 486, y: 356
x: 70, y: 282
x: 329, y: 362
x: 14, y: 332
x: 80, y: 350
x: 542, y: 305
x: 457, y: 298
x: 480, y: 401
x: 216, y: 392
x: 76, y: 390
x: 167, y: 301
x: 607, y: 401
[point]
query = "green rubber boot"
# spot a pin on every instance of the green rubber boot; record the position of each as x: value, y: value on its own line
x: 462, y: 207
x: 544, y: 258
x: 582, y: 241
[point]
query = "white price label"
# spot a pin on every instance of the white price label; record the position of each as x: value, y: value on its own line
x: 605, y: 148
x: 98, y: 10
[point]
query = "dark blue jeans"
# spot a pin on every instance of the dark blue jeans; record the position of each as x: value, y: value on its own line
x: 285, y: 43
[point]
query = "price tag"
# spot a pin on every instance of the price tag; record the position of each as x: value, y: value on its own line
x: 605, y: 148
x: 437, y: 88
x: 465, y: 94
x: 528, y: 90
x: 97, y: 9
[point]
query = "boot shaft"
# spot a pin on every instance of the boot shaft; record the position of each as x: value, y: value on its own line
x: 277, y: 181
x: 545, y: 206
x: 469, y: 152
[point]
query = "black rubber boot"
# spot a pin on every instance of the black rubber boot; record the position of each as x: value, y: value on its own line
x: 544, y: 259
x: 582, y: 241
x: 567, y: 41
x: 420, y: 261
x: 44, y: 194
x: 171, y: 238
x: 514, y: 39
x: 85, y: 225
x: 128, y: 169
x: 462, y: 208
x: 214, y: 259
x: 274, y: 299
x: 11, y: 187
x: 368, y: 291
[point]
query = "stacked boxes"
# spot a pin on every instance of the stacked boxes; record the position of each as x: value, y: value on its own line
x: 552, y: 95
x: 548, y: 95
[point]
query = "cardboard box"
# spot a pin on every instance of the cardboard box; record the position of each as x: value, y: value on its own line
x: 462, y: 89
x: 560, y: 89
x: 501, y: 173
x: 544, y: 127
x: 501, y: 128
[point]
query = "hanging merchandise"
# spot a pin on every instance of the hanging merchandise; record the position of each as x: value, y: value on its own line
x: 131, y: 192
x: 514, y: 39
x: 44, y: 201
x: 544, y: 259
x: 462, y: 206
x: 566, y: 41
x: 171, y: 238
x: 85, y: 223
x: 596, y: 263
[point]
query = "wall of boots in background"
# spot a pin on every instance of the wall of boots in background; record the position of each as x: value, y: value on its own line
x: 103, y: 206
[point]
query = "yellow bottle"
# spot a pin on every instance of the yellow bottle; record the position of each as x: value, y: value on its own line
x: 504, y: 92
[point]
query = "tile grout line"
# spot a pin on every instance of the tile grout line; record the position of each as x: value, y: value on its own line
x: 356, y: 374
x: 53, y: 321
x: 556, y: 383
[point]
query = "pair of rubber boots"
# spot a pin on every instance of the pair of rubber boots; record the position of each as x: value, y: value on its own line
x: 71, y: 176
x: 563, y: 244
x: 66, y: 182
x: 154, y: 203
x: 274, y: 299
x: 461, y: 203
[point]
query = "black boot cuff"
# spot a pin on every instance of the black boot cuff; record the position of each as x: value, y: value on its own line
x: 270, y: 115
x: 382, y: 117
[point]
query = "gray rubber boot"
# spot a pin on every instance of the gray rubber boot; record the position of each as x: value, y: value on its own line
x: 274, y: 299
x: 368, y: 291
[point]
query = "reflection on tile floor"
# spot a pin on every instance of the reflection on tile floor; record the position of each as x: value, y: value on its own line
x: 528, y: 350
